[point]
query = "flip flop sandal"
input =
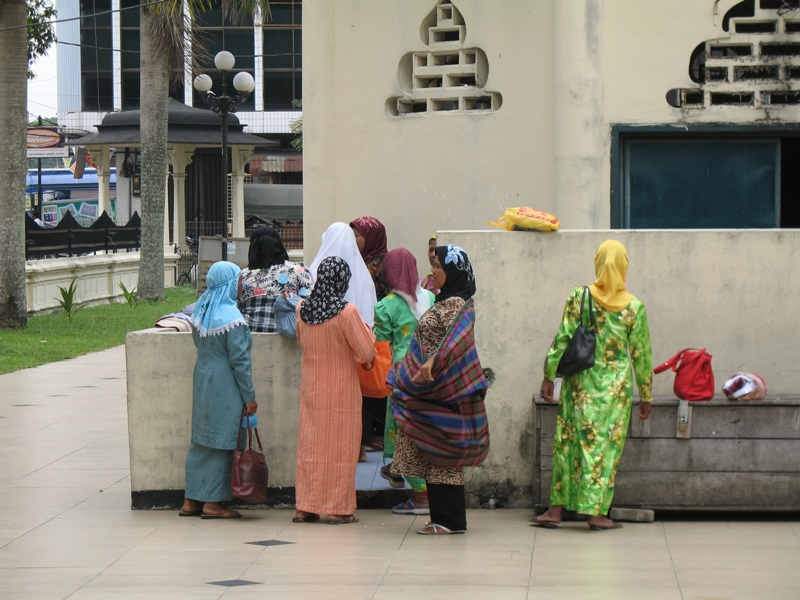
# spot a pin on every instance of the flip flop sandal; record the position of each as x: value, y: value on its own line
x: 434, y: 529
x: 190, y: 514
x: 346, y: 520
x: 601, y: 528
x: 543, y: 524
x: 310, y: 518
x: 230, y: 514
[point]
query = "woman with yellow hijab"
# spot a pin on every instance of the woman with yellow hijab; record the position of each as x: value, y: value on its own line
x: 595, y: 405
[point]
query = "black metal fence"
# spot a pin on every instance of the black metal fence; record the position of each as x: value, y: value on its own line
x: 68, y: 238
x: 291, y: 233
x: 196, y: 229
x: 187, y: 267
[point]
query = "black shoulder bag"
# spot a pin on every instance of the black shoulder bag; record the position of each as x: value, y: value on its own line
x: 579, y: 354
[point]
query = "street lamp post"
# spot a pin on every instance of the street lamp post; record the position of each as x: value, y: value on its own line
x: 224, y: 105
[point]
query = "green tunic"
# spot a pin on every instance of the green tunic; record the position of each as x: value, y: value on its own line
x: 595, y: 405
x: 395, y: 323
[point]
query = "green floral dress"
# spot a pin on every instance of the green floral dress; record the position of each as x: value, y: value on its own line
x: 394, y: 322
x: 595, y: 405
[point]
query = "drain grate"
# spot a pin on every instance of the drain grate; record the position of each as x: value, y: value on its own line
x: 233, y: 583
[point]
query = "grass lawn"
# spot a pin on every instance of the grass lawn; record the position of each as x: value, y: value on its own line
x: 51, y: 337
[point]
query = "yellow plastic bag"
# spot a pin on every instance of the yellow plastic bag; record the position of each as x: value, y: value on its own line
x: 524, y: 218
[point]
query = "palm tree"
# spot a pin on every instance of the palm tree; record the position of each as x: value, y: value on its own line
x: 165, y: 31
x: 25, y: 33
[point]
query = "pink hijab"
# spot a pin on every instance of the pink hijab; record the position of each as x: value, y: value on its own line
x: 399, y: 269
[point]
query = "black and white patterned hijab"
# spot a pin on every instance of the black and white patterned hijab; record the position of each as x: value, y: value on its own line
x: 327, y: 298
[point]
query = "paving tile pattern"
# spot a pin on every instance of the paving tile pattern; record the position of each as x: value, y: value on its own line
x: 67, y: 531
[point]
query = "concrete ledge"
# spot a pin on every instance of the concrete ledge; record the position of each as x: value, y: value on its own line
x: 98, y: 277
x: 160, y: 367
x: 738, y: 456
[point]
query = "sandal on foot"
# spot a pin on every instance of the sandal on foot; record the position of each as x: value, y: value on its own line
x: 434, y: 529
x: 195, y: 513
x: 228, y: 514
x: 396, y: 481
x: 345, y: 520
x: 309, y: 518
x: 614, y: 525
x: 409, y: 508
x: 535, y: 522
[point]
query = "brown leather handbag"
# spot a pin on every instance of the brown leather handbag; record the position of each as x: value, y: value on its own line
x: 250, y: 473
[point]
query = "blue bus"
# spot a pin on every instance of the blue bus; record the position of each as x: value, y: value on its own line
x: 62, y: 193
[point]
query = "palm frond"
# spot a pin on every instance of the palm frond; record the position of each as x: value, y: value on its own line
x: 171, y: 31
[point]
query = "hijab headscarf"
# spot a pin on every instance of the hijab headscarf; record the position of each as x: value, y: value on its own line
x: 339, y: 241
x: 400, y: 273
x: 216, y: 312
x: 374, y: 234
x: 460, y: 280
x: 266, y: 249
x: 611, y: 267
x: 327, y: 298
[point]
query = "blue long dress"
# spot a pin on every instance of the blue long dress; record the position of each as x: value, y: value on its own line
x: 223, y: 384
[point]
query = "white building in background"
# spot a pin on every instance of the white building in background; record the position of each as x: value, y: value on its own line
x: 432, y: 114
x: 98, y: 73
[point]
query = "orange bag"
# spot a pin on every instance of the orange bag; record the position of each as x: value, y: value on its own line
x: 373, y: 382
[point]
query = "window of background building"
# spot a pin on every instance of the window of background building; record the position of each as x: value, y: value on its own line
x: 131, y: 44
x: 236, y: 38
x: 97, y: 64
x: 743, y: 180
x: 283, y: 55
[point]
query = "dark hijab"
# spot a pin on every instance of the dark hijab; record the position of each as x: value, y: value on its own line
x: 460, y: 280
x: 374, y: 234
x: 266, y: 249
x: 327, y: 298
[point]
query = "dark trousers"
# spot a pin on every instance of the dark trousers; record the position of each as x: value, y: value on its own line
x: 373, y: 413
x: 448, y: 506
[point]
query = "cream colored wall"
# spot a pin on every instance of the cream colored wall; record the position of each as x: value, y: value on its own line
x: 421, y: 173
x: 160, y: 367
x: 567, y: 71
x: 97, y: 277
x: 700, y: 288
x: 724, y: 290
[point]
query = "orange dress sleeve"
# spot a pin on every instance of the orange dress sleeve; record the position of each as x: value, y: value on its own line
x: 358, y: 335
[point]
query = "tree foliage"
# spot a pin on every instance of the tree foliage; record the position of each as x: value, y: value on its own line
x: 166, y: 36
x: 41, y: 34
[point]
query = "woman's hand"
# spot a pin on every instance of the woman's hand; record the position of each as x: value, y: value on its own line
x: 368, y: 365
x: 250, y: 407
x: 425, y: 373
x: 546, y: 391
x: 645, y: 408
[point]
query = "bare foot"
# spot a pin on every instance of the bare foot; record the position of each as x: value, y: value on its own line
x: 301, y: 516
x: 191, y: 508
x: 551, y: 515
x: 342, y: 519
x: 362, y: 457
x: 215, y: 510
x: 599, y: 522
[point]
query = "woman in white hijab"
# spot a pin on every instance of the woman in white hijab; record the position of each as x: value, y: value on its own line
x: 338, y: 240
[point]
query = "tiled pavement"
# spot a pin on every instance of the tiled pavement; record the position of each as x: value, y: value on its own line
x: 67, y: 531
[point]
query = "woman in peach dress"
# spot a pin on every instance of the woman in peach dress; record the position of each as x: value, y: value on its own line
x: 334, y: 338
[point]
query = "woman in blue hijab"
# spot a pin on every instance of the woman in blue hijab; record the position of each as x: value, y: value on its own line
x: 223, y: 388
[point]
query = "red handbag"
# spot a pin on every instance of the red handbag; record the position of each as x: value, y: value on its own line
x: 249, y: 474
x: 694, y: 379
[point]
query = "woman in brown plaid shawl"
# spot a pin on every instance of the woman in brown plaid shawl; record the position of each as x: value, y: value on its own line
x: 438, y: 396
